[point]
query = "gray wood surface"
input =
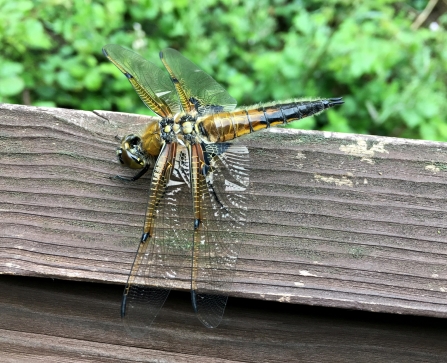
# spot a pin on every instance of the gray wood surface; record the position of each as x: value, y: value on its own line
x: 337, y: 220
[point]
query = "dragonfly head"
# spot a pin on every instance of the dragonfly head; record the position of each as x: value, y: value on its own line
x: 130, y: 152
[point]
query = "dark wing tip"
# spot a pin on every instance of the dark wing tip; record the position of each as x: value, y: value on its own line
x: 123, y: 306
x: 194, y: 300
x: 105, y: 52
x: 161, y: 54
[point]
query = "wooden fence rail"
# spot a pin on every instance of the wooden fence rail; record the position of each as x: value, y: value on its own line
x: 337, y: 220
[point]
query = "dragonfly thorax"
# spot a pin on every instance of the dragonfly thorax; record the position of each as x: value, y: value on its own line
x: 181, y: 129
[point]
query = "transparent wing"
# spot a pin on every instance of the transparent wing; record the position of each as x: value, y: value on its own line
x: 165, y: 248
x: 198, y: 91
x: 223, y: 195
x: 152, y: 84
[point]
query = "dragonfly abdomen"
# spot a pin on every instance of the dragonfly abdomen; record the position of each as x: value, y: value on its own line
x: 229, y: 125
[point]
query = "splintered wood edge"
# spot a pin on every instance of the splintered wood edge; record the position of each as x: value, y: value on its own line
x: 340, y: 220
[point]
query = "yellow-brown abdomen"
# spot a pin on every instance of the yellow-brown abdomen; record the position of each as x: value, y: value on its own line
x: 226, y: 126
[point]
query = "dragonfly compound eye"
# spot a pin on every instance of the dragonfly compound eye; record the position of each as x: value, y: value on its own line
x: 130, y: 153
x: 119, y: 154
x: 130, y: 160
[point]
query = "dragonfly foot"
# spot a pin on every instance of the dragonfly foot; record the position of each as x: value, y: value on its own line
x: 122, y: 178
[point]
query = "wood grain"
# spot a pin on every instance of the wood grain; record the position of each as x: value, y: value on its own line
x: 337, y: 220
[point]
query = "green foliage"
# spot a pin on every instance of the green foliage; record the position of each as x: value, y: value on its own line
x: 393, y: 78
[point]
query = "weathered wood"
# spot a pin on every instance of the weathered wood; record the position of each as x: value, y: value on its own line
x: 338, y: 220
x: 67, y: 321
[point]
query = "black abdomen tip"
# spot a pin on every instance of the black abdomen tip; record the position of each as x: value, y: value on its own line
x: 335, y: 101
x: 331, y: 102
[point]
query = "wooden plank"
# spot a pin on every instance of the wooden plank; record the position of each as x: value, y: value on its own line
x: 340, y: 220
x: 46, y: 320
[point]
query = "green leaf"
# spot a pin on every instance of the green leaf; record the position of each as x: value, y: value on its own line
x: 36, y: 37
x: 93, y: 80
x: 44, y: 104
x: 10, y: 68
x: 10, y: 86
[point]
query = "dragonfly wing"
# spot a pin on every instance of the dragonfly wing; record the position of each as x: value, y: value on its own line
x: 222, y: 192
x: 164, y: 250
x: 152, y: 84
x: 198, y: 91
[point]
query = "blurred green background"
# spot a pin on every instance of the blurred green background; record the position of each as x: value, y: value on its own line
x: 388, y: 59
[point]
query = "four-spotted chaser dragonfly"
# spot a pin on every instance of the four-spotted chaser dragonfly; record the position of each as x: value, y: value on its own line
x: 193, y: 158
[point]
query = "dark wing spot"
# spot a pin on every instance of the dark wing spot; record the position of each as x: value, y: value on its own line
x: 128, y: 75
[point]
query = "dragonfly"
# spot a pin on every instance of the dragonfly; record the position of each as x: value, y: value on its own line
x: 200, y: 185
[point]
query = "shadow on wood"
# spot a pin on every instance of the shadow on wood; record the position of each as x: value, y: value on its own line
x: 55, y: 320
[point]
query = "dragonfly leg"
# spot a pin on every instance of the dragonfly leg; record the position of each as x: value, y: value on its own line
x: 135, y: 177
